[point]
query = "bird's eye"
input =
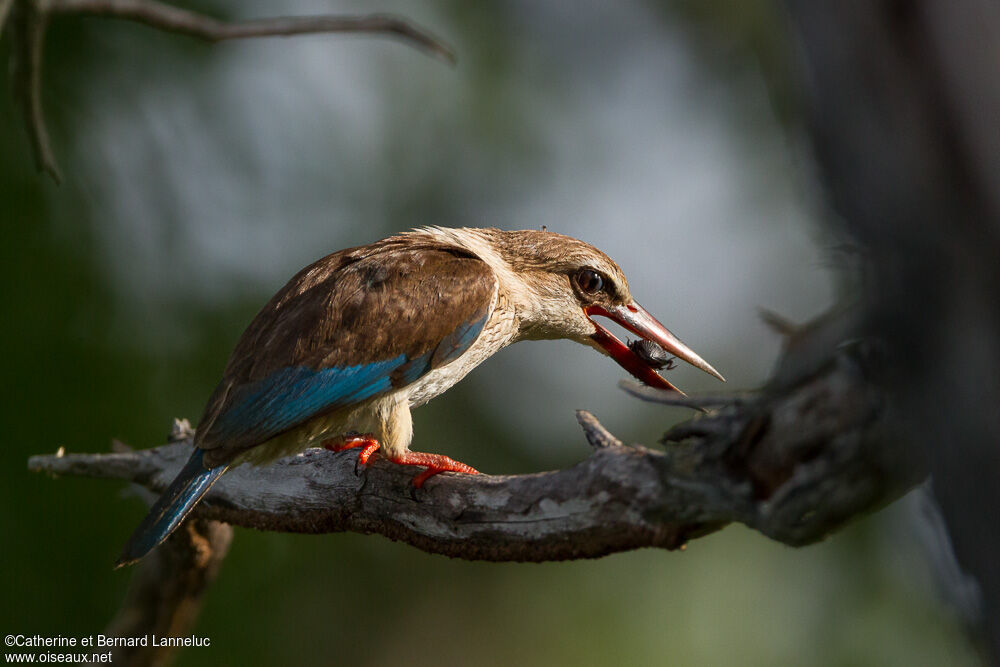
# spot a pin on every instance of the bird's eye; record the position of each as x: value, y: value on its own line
x: 589, y: 281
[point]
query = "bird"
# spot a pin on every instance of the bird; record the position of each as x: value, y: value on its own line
x: 343, y: 352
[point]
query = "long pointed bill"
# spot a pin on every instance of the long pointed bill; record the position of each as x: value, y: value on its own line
x: 635, y: 318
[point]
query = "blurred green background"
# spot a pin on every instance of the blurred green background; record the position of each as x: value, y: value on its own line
x: 199, y: 178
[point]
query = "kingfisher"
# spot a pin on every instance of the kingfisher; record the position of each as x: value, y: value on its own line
x: 353, y: 342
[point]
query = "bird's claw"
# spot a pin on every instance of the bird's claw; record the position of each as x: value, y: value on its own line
x: 435, y: 463
x: 367, y: 442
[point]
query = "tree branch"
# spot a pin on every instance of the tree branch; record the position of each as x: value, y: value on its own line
x: 27, y: 29
x: 29, y: 19
x: 5, y: 6
x: 166, y: 589
x: 794, y: 463
x: 175, y: 19
x: 902, y: 101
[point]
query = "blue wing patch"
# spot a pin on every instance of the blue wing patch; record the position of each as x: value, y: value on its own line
x: 291, y: 396
x: 457, y: 342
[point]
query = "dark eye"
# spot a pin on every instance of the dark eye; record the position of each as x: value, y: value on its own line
x: 589, y: 281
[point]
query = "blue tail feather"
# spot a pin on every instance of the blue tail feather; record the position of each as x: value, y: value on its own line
x: 193, y: 481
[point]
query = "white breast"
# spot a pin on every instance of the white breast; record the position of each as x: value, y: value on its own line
x: 499, y: 331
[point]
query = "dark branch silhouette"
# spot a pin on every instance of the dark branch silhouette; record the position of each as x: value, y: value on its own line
x: 902, y: 101
x: 29, y: 19
x: 166, y: 590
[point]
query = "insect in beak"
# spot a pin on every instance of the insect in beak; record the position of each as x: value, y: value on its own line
x: 636, y: 319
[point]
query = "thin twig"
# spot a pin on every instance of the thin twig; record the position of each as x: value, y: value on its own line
x: 667, y: 397
x: 597, y: 435
x: 175, y: 19
x: 5, y: 6
x: 28, y: 36
x: 29, y: 20
x: 777, y: 323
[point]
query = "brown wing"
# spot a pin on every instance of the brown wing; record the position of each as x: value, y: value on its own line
x: 354, y: 325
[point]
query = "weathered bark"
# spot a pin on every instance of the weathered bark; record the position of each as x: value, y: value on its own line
x: 795, y: 462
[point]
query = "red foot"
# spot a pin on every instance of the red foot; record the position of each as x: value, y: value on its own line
x: 435, y: 463
x: 367, y: 442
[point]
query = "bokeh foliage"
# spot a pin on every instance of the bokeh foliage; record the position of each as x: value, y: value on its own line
x: 87, y: 358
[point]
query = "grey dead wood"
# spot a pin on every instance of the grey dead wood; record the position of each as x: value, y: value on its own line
x: 795, y: 461
x: 817, y: 447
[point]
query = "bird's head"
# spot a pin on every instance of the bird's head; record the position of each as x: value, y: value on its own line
x: 559, y: 285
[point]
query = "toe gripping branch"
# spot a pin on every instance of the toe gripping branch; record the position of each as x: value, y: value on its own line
x: 366, y: 442
x: 435, y: 463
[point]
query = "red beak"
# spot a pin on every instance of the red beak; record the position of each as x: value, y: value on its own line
x: 635, y: 318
